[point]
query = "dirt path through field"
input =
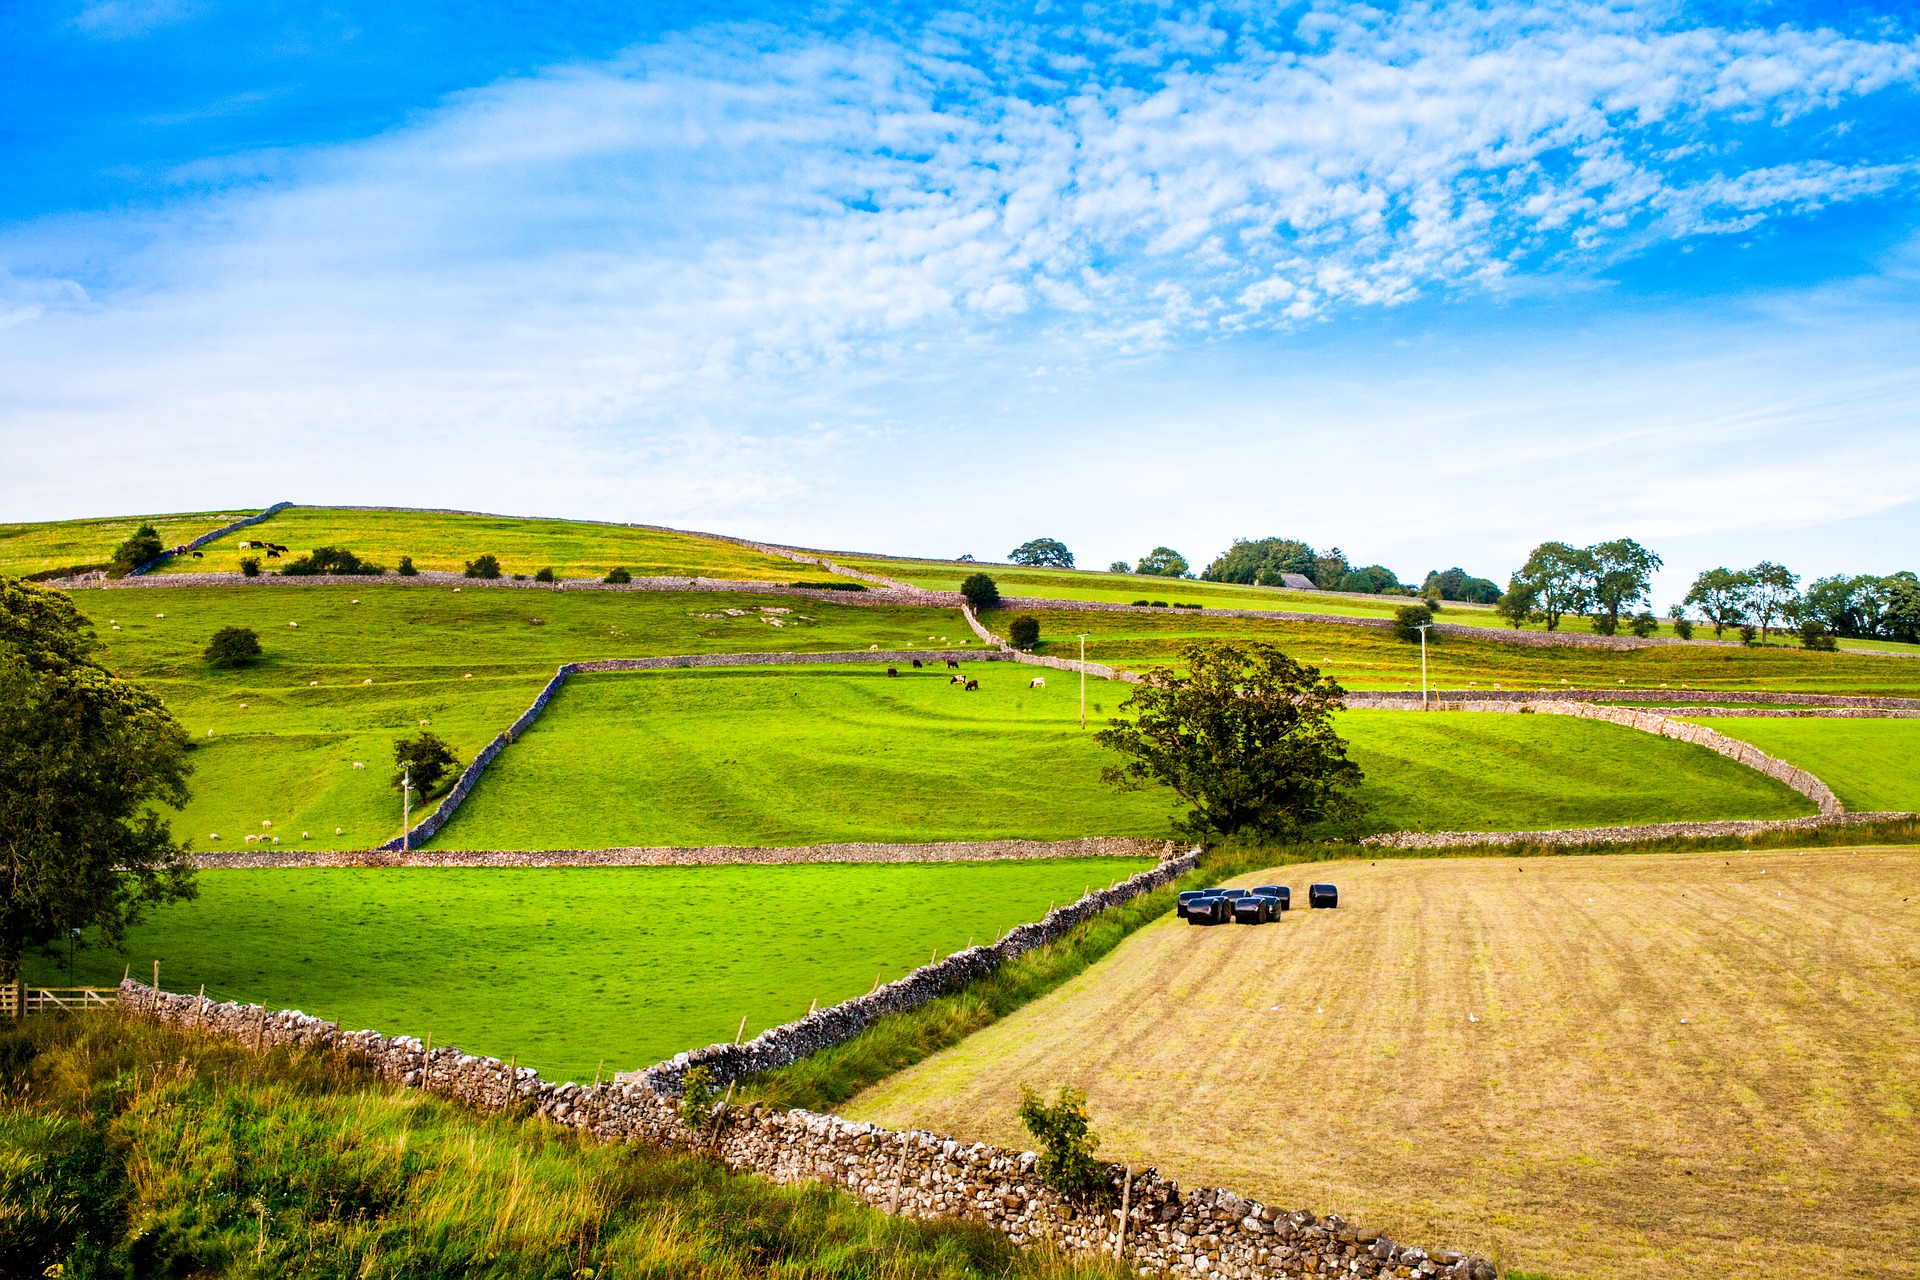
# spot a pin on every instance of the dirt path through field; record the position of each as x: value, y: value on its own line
x: 1666, y: 1065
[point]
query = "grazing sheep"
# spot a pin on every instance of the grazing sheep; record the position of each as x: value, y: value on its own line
x: 358, y: 765
x: 971, y: 686
x: 892, y: 671
x: 952, y: 665
x: 956, y: 679
x: 1038, y: 682
x: 916, y: 664
x: 199, y: 555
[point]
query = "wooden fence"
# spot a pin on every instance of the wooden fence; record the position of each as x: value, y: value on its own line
x: 18, y: 998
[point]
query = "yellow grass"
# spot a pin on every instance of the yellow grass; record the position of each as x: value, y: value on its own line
x: 1491, y: 1054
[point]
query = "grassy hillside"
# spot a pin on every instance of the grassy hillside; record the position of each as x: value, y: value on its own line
x: 1478, y: 772
x: 278, y: 740
x: 1872, y: 765
x: 566, y: 966
x: 448, y: 540
x: 786, y: 757
x: 1363, y: 658
x: 1659, y: 1065
x: 77, y: 544
x: 216, y: 1163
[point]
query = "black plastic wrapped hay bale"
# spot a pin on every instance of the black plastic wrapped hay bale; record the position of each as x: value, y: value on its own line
x: 1208, y: 910
x: 1280, y: 892
x: 1250, y: 910
x: 1323, y: 895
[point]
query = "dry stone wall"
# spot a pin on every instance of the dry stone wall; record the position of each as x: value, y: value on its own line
x: 701, y: 856
x: 1147, y: 1221
x: 205, y: 538
x: 1580, y: 836
x: 1402, y: 699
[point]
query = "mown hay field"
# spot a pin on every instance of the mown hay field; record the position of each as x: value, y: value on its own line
x: 1872, y: 765
x: 1649, y: 1065
x: 565, y: 966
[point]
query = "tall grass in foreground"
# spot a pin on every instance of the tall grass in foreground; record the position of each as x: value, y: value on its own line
x: 133, y: 1149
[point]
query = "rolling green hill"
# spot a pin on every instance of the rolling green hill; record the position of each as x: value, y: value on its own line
x: 1872, y: 765
x: 63, y: 545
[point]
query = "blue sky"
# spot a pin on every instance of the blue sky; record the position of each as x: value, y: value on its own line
x: 1430, y: 282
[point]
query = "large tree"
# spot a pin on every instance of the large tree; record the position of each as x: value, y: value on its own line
x: 1042, y: 553
x: 1162, y: 562
x: 1723, y: 595
x: 1244, y: 734
x: 1262, y: 562
x: 1622, y: 575
x: 1559, y: 577
x: 1774, y: 593
x: 84, y: 758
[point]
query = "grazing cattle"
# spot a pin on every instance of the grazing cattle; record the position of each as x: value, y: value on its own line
x: 272, y: 554
x: 892, y: 671
x: 971, y: 686
x: 1038, y: 682
x: 952, y: 665
x: 245, y: 545
x: 199, y: 555
x: 956, y: 679
x: 916, y: 664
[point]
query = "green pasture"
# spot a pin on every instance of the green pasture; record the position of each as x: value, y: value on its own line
x: 1366, y: 658
x: 277, y: 741
x: 1872, y: 765
x: 791, y: 756
x: 565, y: 966
x: 78, y: 544
x: 448, y: 540
x: 1472, y: 771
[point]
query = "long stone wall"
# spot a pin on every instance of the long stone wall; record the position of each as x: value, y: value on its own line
x: 1205, y: 1231
x: 205, y: 538
x: 1581, y: 836
x: 1402, y: 698
x: 700, y: 856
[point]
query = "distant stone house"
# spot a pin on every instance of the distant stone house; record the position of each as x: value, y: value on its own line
x: 1297, y: 582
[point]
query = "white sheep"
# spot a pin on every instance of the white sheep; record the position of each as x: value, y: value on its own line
x: 358, y: 765
x: 1038, y: 682
x: 266, y: 822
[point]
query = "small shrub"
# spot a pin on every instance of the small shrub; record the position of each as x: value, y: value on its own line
x: 544, y: 575
x: 1748, y: 633
x: 696, y: 1098
x: 830, y: 586
x: 233, y: 647
x: 406, y: 569
x: 1066, y: 1143
x: 143, y: 546
x: 427, y: 757
x: 1409, y: 618
x: 331, y: 560
x: 519, y: 577
x: 1139, y: 604
x: 485, y: 566
x: 1604, y: 624
x: 1024, y: 631
x: 1157, y: 604
x: 1683, y: 627
x: 618, y: 577
x: 1814, y: 637
x: 250, y: 566
x: 981, y: 591
x: 1178, y: 605
x: 1644, y: 625
x: 1119, y: 566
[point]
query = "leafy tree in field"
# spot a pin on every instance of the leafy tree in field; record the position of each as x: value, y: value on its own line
x: 1244, y: 735
x: 1519, y: 604
x: 84, y: 759
x: 981, y: 592
x: 1902, y: 610
x: 1331, y: 569
x: 1558, y: 577
x: 143, y: 546
x: 1375, y: 579
x: 1722, y: 595
x: 1457, y: 584
x: 1162, y: 562
x: 1645, y: 624
x: 1119, y: 566
x: 1409, y: 618
x: 1682, y: 625
x: 426, y: 758
x: 1024, y: 631
x: 483, y: 566
x: 1260, y: 563
x: 1604, y: 625
x: 1622, y: 575
x: 1772, y: 593
x: 1042, y: 553
x: 233, y: 647
x: 1067, y: 1143
x: 618, y: 577
x: 405, y: 568
x: 1814, y: 637
x: 250, y: 566
x: 543, y: 575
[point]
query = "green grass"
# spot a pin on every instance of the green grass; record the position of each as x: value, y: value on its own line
x: 287, y: 757
x: 1872, y: 765
x: 72, y: 544
x: 447, y: 541
x: 565, y: 966
x: 785, y: 756
x: 130, y: 1149
x: 1466, y: 771
x: 1363, y: 658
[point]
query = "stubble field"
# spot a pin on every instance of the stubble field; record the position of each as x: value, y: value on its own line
x: 1658, y: 1065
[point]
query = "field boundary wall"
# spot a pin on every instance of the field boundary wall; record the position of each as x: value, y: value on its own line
x: 430, y: 826
x: 914, y: 1173
x: 205, y: 538
x: 1580, y: 836
x: 1648, y: 722
x: 1382, y: 698
x: 702, y: 855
